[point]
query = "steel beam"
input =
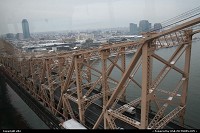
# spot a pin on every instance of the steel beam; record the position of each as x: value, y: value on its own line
x: 78, y: 71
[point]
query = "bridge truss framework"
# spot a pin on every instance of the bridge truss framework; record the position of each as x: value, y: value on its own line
x: 59, y: 79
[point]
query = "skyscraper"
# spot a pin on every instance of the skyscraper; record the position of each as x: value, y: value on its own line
x: 25, y: 28
x: 157, y: 26
x: 144, y: 26
x: 133, y: 29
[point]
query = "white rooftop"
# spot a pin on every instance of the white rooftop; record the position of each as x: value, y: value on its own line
x: 72, y: 124
x: 50, y: 44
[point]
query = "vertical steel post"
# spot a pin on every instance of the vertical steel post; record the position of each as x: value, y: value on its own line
x: 123, y: 66
x: 78, y: 71
x: 104, y: 56
x: 51, y: 91
x: 146, y: 83
x: 188, y: 35
x: 88, y: 72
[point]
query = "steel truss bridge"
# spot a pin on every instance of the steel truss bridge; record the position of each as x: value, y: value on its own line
x: 71, y: 85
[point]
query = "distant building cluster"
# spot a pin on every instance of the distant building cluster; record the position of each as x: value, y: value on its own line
x: 144, y: 26
x: 11, y: 36
x: 72, y: 40
x: 20, y: 36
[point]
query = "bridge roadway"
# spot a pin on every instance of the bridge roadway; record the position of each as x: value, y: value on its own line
x: 94, y: 110
x: 91, y: 114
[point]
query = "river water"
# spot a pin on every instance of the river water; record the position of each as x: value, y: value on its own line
x: 15, y: 114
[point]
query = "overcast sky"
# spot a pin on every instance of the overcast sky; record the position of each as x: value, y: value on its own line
x: 59, y: 15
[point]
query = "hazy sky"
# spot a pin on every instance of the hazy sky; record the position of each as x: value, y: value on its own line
x: 57, y: 15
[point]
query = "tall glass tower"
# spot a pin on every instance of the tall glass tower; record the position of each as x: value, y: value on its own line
x: 25, y: 28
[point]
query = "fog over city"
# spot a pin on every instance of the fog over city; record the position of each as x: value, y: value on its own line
x: 60, y: 15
